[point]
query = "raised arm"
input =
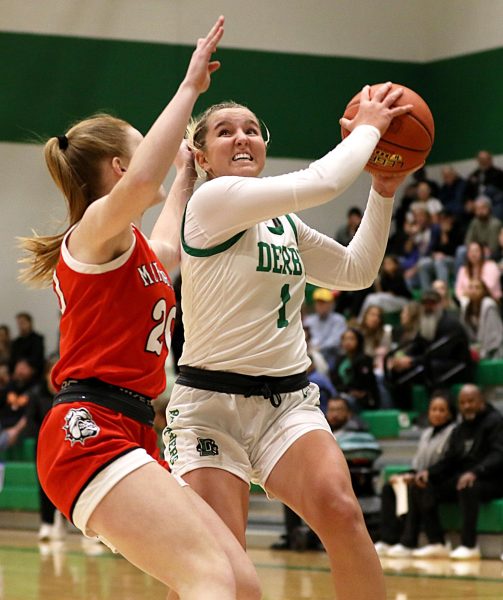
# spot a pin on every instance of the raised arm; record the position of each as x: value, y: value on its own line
x: 104, y: 229
x: 165, y: 237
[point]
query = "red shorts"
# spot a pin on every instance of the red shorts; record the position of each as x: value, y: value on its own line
x: 78, y: 440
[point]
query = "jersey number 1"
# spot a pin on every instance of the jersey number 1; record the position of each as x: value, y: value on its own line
x: 285, y: 296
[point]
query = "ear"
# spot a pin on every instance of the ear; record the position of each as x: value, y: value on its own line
x: 117, y: 167
x: 201, y: 160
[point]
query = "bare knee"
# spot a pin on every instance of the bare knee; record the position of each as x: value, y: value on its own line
x: 336, y: 510
x: 207, y: 575
x: 248, y: 585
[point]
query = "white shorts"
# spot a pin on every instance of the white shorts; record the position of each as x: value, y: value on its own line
x: 244, y: 436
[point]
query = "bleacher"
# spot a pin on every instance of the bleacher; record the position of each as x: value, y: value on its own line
x: 393, y: 428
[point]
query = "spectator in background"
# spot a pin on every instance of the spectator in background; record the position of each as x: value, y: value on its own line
x: 420, y: 236
x: 486, y: 179
x: 446, y: 296
x: 353, y: 372
x: 469, y: 473
x: 15, y: 397
x: 477, y: 267
x: 341, y: 418
x: 425, y: 199
x: 5, y: 344
x: 346, y: 232
x: 439, y: 354
x: 399, y: 535
x: 408, y: 327
x: 483, y: 228
x: 421, y: 175
x: 452, y: 191
x: 28, y: 346
x: 439, y: 264
x: 391, y: 290
x: 403, y: 207
x: 325, y: 325
x: 480, y: 314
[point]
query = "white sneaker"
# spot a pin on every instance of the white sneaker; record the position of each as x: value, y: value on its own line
x: 45, y: 532
x: 399, y: 551
x: 59, y: 527
x: 464, y: 553
x: 382, y: 548
x: 432, y: 551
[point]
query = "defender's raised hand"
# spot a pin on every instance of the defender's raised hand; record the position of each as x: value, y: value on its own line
x: 201, y: 66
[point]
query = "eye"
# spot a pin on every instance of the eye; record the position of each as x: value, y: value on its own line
x: 252, y: 131
x: 223, y: 132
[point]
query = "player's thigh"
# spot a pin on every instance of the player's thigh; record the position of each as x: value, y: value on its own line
x: 146, y: 517
x: 227, y: 494
x: 312, y: 477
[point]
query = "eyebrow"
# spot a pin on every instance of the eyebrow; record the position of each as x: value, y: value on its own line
x: 227, y: 122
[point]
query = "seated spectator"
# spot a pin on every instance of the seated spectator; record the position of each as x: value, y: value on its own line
x: 353, y: 372
x: 28, y: 346
x: 477, y: 266
x: 425, y: 199
x: 341, y: 418
x: 439, y: 353
x: 346, y: 232
x: 325, y: 325
x: 484, y: 228
x: 486, y: 179
x: 439, y: 264
x: 5, y: 344
x: 452, y: 191
x: 469, y: 473
x: 403, y: 207
x: 319, y: 363
x: 420, y: 236
x: 392, y: 292
x: 399, y: 534
x: 408, y: 328
x: 480, y: 314
x: 14, y: 398
x: 446, y: 296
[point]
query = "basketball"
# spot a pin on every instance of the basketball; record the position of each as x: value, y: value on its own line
x: 407, y: 141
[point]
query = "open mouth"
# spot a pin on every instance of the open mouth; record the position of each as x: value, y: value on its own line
x: 242, y: 156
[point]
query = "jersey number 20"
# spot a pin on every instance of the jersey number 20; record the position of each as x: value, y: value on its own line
x: 162, y: 329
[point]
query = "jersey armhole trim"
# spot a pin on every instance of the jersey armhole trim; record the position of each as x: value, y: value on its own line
x: 203, y: 252
x: 292, y: 223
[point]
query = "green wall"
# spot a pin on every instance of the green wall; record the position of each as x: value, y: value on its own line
x: 49, y: 81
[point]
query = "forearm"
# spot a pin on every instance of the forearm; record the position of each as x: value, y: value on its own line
x: 165, y: 237
x: 332, y: 265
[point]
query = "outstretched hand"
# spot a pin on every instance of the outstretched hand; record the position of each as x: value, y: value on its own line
x: 377, y: 110
x: 201, y: 66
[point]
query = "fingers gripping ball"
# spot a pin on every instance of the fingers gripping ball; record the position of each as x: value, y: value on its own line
x: 407, y: 141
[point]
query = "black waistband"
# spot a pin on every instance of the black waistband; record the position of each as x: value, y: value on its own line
x: 246, y: 385
x: 127, y: 402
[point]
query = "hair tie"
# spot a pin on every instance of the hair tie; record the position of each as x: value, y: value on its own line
x: 63, y: 142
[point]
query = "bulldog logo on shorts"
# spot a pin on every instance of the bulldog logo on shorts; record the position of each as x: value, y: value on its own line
x: 79, y: 425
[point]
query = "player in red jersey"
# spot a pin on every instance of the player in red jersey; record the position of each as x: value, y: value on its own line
x: 97, y: 455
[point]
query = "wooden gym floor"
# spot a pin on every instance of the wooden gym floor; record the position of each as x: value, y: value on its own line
x: 72, y: 570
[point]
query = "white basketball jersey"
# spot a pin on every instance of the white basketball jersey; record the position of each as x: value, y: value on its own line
x: 241, y: 302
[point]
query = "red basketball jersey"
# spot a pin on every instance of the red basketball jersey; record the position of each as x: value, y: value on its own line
x: 116, y: 319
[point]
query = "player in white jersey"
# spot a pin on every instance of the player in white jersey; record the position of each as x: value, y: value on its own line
x: 242, y: 409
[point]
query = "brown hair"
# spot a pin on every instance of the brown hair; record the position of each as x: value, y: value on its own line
x: 75, y: 163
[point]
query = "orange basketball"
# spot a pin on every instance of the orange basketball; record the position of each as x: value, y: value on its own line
x: 407, y: 141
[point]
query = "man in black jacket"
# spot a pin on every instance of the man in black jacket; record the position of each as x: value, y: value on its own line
x: 471, y: 471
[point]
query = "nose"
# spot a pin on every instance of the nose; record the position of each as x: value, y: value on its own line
x: 241, y: 137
